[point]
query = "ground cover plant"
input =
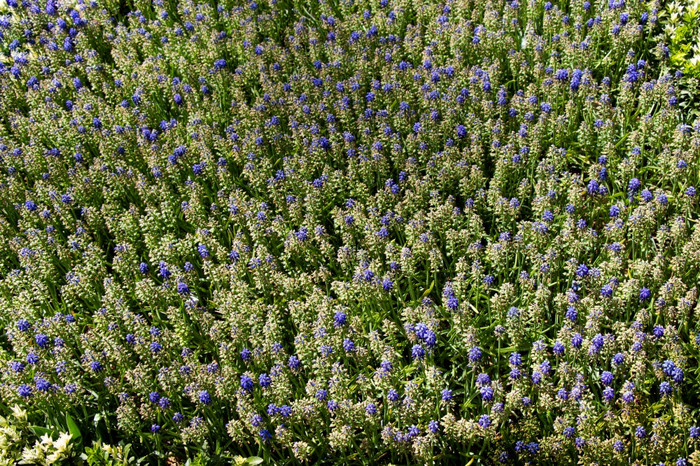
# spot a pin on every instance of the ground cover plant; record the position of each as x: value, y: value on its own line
x: 347, y: 232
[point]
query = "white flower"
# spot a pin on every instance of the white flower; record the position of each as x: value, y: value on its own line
x: 46, y: 440
x: 19, y: 413
x: 33, y: 455
x: 62, y: 444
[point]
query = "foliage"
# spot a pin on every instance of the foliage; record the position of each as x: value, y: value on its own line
x: 19, y: 443
x: 100, y: 454
x: 681, y: 30
x: 348, y: 232
x: 681, y: 21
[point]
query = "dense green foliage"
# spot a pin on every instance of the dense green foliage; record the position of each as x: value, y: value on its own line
x: 349, y: 232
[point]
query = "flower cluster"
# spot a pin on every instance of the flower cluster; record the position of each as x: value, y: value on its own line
x: 360, y: 231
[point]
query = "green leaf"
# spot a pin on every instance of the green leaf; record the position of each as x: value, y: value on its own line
x: 254, y: 460
x: 427, y: 292
x: 73, y: 428
x: 40, y: 431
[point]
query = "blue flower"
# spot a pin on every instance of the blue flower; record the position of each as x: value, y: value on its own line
x: 582, y: 271
x: 293, y: 362
x: 42, y: 384
x: 665, y: 389
x: 387, y: 284
x: 417, y: 352
x: 246, y: 354
x: 627, y: 396
x: 634, y: 185
x: 41, y: 340
x: 474, y: 353
x: 515, y: 359
x: 392, y: 395
x: 606, y: 291
x: 265, y: 435
x: 182, y: 288
x: 348, y: 345
x: 17, y: 366
x: 606, y: 377
x: 246, y: 383
x: 558, y: 348
x: 340, y: 319
x: 284, y: 411
x: 644, y: 294
x: 23, y: 325
x: 446, y: 394
x: 204, y: 397
x: 576, y: 340
x: 461, y: 131
x: 24, y: 391
x: 164, y: 272
x: 264, y: 380
x: 198, y: 168
x: 485, y: 421
x: 597, y: 343
x: 658, y: 331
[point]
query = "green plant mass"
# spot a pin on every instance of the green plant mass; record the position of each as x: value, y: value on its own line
x: 349, y: 232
